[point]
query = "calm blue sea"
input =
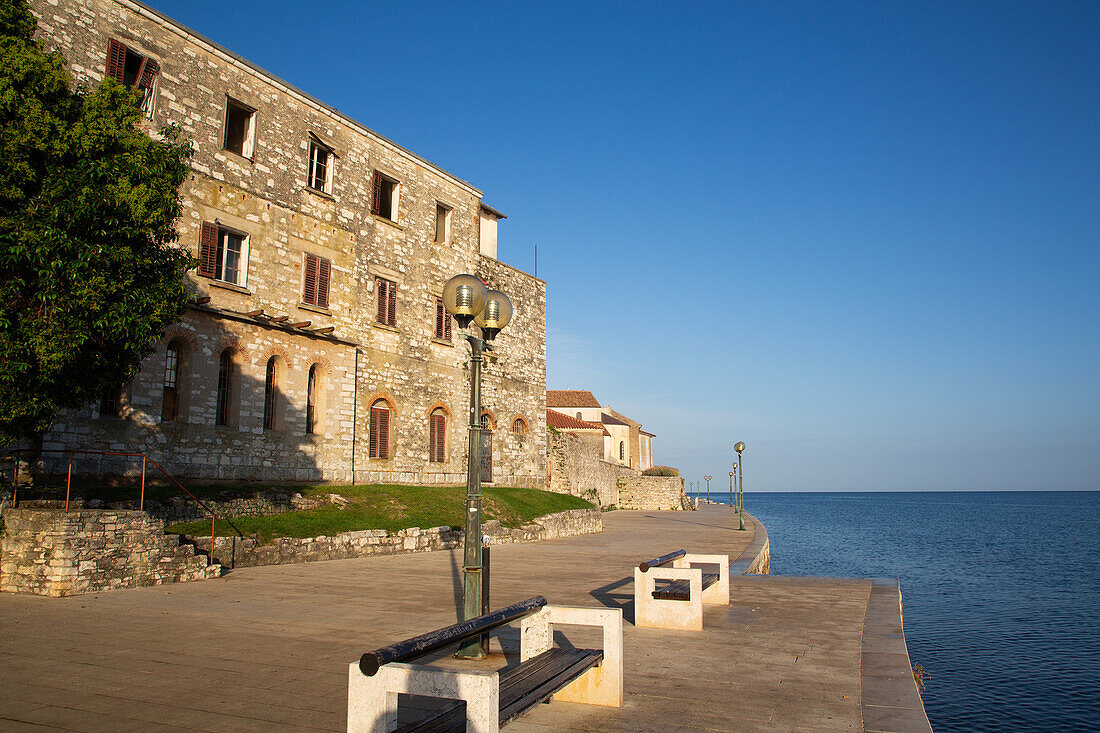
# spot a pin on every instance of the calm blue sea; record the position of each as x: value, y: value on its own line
x: 1001, y: 592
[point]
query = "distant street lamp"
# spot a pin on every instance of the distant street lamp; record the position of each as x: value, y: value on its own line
x: 731, y: 487
x: 740, y: 482
x: 708, y: 488
x: 466, y: 298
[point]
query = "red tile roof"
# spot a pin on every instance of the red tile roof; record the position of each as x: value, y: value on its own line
x: 560, y: 421
x: 570, y: 398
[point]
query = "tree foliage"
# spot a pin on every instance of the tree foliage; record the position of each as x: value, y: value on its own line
x: 89, y: 273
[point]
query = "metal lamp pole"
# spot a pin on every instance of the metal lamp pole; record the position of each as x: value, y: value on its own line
x: 741, y: 483
x: 708, y: 488
x: 467, y: 299
x: 731, y: 488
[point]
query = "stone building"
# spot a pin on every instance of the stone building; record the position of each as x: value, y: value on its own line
x: 316, y: 347
x: 624, y: 441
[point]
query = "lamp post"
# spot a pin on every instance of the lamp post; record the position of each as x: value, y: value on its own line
x: 708, y: 488
x: 740, y: 482
x: 466, y: 298
x: 731, y: 487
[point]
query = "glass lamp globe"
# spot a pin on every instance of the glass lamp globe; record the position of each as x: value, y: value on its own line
x: 739, y: 447
x: 464, y: 297
x: 496, y: 314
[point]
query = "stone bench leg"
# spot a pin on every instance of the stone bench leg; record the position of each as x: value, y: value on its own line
x: 718, y: 593
x: 601, y: 685
x: 372, y: 701
x: 654, y: 613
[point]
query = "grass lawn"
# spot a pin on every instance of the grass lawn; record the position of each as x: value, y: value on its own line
x: 391, y: 508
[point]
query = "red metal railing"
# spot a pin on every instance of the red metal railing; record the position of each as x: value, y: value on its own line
x: 145, y: 461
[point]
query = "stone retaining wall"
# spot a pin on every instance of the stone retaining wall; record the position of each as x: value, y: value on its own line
x: 576, y: 468
x: 48, y: 551
x: 651, y: 493
x: 240, y: 552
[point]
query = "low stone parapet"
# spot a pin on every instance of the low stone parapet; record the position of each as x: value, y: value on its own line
x: 51, y: 552
x: 239, y: 552
x: 654, y: 493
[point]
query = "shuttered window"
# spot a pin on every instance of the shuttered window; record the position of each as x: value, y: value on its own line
x: 384, y: 196
x: 442, y: 321
x: 315, y: 281
x: 320, y: 167
x: 132, y: 69
x: 223, y: 254
x: 387, y: 302
x: 437, y: 436
x: 380, y: 430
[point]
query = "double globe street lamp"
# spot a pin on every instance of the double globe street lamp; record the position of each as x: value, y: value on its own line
x: 467, y: 299
x: 739, y: 447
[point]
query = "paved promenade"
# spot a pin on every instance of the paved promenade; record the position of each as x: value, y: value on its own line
x: 268, y: 648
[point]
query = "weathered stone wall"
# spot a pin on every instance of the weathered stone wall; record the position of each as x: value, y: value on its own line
x: 51, y: 552
x: 576, y: 468
x: 244, y: 552
x: 185, y: 509
x: 266, y: 197
x: 653, y: 493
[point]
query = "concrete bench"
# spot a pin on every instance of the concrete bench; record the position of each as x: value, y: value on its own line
x: 669, y: 592
x: 486, y: 698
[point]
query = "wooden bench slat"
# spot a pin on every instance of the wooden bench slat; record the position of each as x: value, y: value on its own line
x: 680, y: 590
x: 521, y: 687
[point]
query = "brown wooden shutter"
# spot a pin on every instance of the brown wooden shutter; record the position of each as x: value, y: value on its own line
x: 376, y: 196
x: 208, y: 249
x: 374, y: 432
x: 324, y: 271
x: 392, y: 312
x: 382, y: 308
x: 309, y: 281
x: 116, y: 59
x: 446, y: 325
x: 151, y: 69
x: 439, y: 313
x: 383, y: 433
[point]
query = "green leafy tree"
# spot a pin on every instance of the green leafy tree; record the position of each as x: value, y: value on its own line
x: 89, y: 273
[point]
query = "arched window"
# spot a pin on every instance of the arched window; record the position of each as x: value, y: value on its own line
x: 622, y: 450
x: 579, y: 415
x: 170, y: 406
x: 519, y: 426
x: 437, y: 436
x: 380, y: 429
x: 271, y: 393
x: 226, y: 388
x: 313, y: 401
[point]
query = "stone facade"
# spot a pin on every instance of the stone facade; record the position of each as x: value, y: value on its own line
x: 263, y: 318
x: 51, y: 552
x: 244, y: 552
x: 653, y: 493
x: 577, y: 468
x: 624, y: 441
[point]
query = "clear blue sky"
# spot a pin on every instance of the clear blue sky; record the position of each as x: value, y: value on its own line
x: 863, y: 238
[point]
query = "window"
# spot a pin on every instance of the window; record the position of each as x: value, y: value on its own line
x: 578, y: 415
x: 271, y: 393
x: 170, y: 406
x: 622, y: 450
x: 519, y: 426
x: 385, y: 198
x: 437, y: 436
x: 315, y: 281
x: 313, y: 411
x: 110, y: 402
x: 320, y: 167
x: 225, y: 388
x: 240, y: 128
x: 387, y: 302
x: 132, y: 69
x: 442, y: 223
x: 442, y: 321
x: 380, y: 430
x: 223, y: 254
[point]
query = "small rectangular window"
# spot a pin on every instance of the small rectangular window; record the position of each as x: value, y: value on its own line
x: 442, y: 321
x: 239, y: 128
x: 387, y: 302
x: 315, y: 281
x: 320, y: 167
x: 110, y: 402
x: 442, y: 223
x: 223, y: 254
x: 385, y: 196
